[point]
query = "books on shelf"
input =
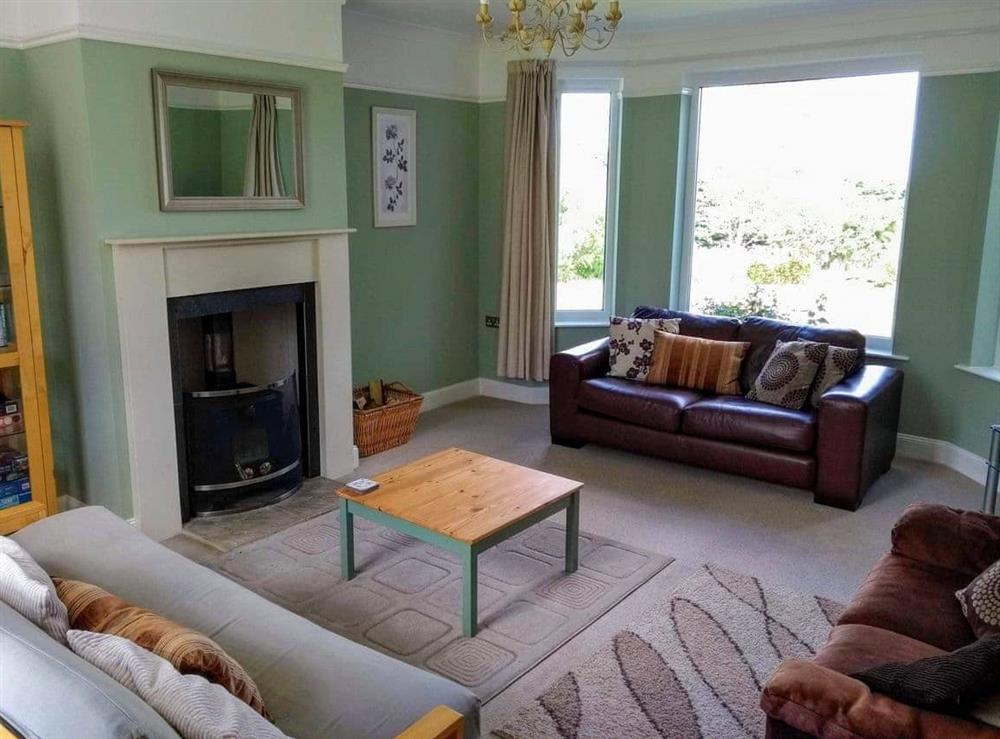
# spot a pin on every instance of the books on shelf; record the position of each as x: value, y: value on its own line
x: 11, y: 418
x: 15, y: 492
x: 13, y: 464
x: 15, y: 487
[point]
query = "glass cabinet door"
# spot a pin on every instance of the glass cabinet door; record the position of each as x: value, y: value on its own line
x: 27, y: 488
x: 15, y: 481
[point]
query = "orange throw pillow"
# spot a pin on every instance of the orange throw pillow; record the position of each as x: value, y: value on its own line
x: 698, y: 364
x: 190, y: 652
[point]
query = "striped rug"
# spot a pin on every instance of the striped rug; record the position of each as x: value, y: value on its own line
x: 693, y: 667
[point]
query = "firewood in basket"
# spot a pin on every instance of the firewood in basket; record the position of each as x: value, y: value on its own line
x: 376, y: 390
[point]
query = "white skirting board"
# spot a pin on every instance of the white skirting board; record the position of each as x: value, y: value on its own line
x: 944, y: 453
x: 482, y: 386
x: 915, y: 447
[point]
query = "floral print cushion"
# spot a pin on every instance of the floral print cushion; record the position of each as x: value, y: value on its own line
x: 789, y: 373
x: 632, y: 344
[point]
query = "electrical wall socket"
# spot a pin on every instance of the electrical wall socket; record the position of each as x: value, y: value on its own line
x: 492, y: 321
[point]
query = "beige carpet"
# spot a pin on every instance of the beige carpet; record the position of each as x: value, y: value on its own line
x: 406, y: 599
x: 768, y: 531
x: 693, y: 667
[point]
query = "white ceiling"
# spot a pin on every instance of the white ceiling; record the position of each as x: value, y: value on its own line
x: 639, y: 15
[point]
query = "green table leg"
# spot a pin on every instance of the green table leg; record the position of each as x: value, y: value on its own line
x: 470, y: 592
x: 346, y: 541
x: 573, y: 532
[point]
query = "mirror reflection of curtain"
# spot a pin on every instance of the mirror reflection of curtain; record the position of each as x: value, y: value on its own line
x: 262, y: 176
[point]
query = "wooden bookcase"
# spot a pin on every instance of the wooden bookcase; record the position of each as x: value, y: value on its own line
x: 22, y: 360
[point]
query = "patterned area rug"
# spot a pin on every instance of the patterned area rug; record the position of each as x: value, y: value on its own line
x: 406, y: 599
x: 692, y: 668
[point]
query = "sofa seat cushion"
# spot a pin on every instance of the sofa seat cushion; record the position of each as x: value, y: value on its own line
x: 316, y: 684
x: 653, y: 406
x: 727, y: 418
x: 913, y: 599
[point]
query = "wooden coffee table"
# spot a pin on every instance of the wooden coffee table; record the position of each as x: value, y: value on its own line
x: 465, y: 503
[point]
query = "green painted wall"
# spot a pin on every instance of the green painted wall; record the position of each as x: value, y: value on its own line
x: 490, y: 152
x: 61, y: 187
x: 652, y: 132
x: 414, y: 289
x: 234, y: 127
x: 987, y: 326
x: 117, y: 75
x: 13, y: 85
x: 208, y: 150
x: 196, y: 151
x: 953, y: 161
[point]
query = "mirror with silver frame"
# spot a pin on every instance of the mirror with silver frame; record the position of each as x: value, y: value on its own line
x: 227, y: 144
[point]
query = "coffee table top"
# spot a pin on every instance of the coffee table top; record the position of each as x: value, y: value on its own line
x: 463, y: 495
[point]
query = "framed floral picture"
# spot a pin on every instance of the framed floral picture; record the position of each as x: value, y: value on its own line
x: 394, y: 166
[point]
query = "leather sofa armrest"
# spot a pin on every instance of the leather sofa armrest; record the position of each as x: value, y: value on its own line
x: 960, y: 541
x: 592, y: 359
x: 857, y: 425
x: 827, y: 704
x: 567, y: 369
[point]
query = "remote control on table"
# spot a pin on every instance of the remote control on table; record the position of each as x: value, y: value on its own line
x: 362, y: 485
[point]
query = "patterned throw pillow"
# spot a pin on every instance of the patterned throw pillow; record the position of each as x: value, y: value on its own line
x: 980, y: 601
x: 94, y: 609
x: 25, y: 587
x: 696, y: 363
x: 788, y: 374
x: 196, y: 708
x: 838, y: 364
x: 632, y: 344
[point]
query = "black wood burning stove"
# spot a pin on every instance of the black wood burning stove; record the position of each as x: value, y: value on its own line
x: 241, y: 445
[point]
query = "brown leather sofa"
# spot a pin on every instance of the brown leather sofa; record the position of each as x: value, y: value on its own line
x: 837, y: 449
x: 905, y: 610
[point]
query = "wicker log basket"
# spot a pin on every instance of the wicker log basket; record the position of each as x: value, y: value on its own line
x: 389, y: 425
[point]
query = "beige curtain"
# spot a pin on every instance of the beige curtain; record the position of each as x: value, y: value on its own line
x: 529, y: 222
x: 262, y: 176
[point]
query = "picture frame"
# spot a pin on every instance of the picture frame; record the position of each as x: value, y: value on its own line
x: 394, y: 167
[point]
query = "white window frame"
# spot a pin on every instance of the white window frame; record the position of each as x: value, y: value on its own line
x: 879, y: 345
x: 614, y: 87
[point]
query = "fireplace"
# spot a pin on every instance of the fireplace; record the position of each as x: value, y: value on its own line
x: 243, y: 364
x: 151, y: 272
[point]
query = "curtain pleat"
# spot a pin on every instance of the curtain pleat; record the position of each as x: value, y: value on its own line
x: 262, y: 176
x: 529, y: 224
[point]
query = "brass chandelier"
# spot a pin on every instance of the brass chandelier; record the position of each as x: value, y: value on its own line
x: 571, y: 23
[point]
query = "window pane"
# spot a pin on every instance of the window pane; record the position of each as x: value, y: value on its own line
x: 799, y: 207
x: 585, y: 118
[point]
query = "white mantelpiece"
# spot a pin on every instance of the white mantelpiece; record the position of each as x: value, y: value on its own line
x: 148, y: 271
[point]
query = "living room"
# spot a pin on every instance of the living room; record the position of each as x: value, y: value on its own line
x: 561, y: 256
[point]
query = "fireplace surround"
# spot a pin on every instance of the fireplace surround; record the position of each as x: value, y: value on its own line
x: 150, y: 271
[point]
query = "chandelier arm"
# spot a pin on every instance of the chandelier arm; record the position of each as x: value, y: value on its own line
x: 554, y: 21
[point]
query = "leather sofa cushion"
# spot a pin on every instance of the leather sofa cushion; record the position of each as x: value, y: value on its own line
x: 653, y: 406
x: 764, y: 333
x: 914, y: 599
x: 716, y: 328
x: 854, y: 648
x: 729, y: 418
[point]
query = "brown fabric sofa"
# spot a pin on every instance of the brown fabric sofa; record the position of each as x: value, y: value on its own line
x: 905, y: 610
x: 837, y: 449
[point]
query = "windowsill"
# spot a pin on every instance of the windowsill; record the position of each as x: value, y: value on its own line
x: 987, y: 373
x: 582, y: 324
x: 880, y: 354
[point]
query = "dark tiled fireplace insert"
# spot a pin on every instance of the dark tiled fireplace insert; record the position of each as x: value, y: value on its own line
x: 245, y: 391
